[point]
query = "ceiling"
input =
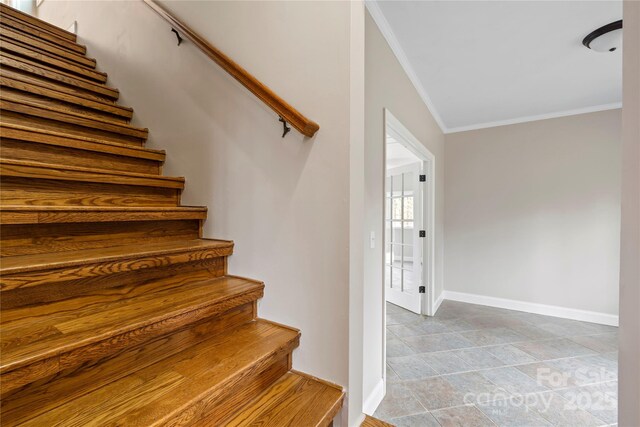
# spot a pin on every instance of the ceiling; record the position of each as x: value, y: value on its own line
x: 487, y: 63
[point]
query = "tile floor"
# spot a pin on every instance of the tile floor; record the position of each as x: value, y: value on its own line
x: 476, y: 366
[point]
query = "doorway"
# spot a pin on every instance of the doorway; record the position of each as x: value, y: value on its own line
x: 408, y: 219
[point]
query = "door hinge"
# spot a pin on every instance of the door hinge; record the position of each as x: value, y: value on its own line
x: 423, y: 233
x: 423, y: 178
x: 422, y: 290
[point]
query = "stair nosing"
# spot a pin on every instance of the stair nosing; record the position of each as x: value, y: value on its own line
x: 91, y: 175
x: 125, y: 328
x: 97, y: 86
x: 51, y: 60
x: 45, y: 26
x: 9, y: 32
x: 11, y: 21
x: 102, y: 106
x: 160, y: 153
x: 125, y: 129
x: 220, y: 244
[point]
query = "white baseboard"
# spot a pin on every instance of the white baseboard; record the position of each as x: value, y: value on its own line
x: 375, y: 397
x: 530, y: 307
x: 436, y: 304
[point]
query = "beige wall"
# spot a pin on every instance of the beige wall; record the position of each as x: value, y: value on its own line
x: 629, y: 384
x: 285, y: 202
x: 533, y: 212
x: 387, y: 86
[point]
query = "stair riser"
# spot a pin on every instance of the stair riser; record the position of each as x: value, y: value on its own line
x: 71, y: 129
x: 43, y: 26
x: 27, y: 239
x: 94, y: 353
x: 230, y: 403
x: 83, y: 124
x: 30, y: 192
x: 61, y: 91
x: 23, y: 289
x: 61, y: 100
x: 13, y: 149
x: 24, y: 404
x: 58, y: 63
x: 225, y: 401
x: 57, y: 77
x: 46, y: 47
x: 34, y: 31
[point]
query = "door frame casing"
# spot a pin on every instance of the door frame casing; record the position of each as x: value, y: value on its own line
x: 411, y: 143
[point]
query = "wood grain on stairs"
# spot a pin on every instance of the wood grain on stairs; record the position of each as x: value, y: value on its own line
x: 209, y: 378
x: 39, y: 341
x: 43, y: 57
x: 113, y: 309
x: 374, y: 422
x: 39, y: 70
x: 28, y: 28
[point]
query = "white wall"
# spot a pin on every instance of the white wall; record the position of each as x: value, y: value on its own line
x: 629, y: 383
x: 387, y: 86
x: 285, y: 202
x: 533, y: 212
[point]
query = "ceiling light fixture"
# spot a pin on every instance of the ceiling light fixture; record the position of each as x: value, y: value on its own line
x: 605, y: 39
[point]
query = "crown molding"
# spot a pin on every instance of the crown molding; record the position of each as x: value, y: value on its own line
x: 392, y: 41
x: 538, y: 117
x: 394, y: 44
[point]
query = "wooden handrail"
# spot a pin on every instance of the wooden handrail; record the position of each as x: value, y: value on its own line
x: 281, y: 107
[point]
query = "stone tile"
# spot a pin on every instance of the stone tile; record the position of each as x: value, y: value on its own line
x: 411, y: 367
x: 435, y: 393
x: 561, y: 413
x: 553, y: 349
x: 394, y: 309
x: 572, y: 328
x: 493, y: 336
x: 602, y: 343
x: 392, y: 377
x: 398, y: 402
x: 510, y: 355
x: 439, y: 342
x: 457, y: 325
x: 512, y: 413
x: 514, y: 381
x: 399, y: 318
x: 475, y: 388
x: 587, y: 370
x: 478, y: 358
x: 397, y: 348
x: 596, y: 399
x: 405, y: 330
x: 445, y: 362
x: 419, y: 420
x: 532, y: 332
x: 547, y: 375
x: 462, y: 416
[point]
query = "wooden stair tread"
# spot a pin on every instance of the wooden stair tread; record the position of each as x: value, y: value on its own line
x: 23, y: 104
x: 57, y: 75
x: 46, y: 136
x: 47, y: 47
x: 295, y: 399
x: 22, y: 16
x: 38, y: 262
x: 32, y: 334
x: 40, y: 56
x: 66, y: 214
x: 374, y: 422
x: 26, y: 84
x: 38, y: 170
x: 183, y: 385
x: 28, y: 28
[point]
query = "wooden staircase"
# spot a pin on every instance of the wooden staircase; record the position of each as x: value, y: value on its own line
x: 114, y: 310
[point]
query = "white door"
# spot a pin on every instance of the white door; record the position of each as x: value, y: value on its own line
x: 403, y: 244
